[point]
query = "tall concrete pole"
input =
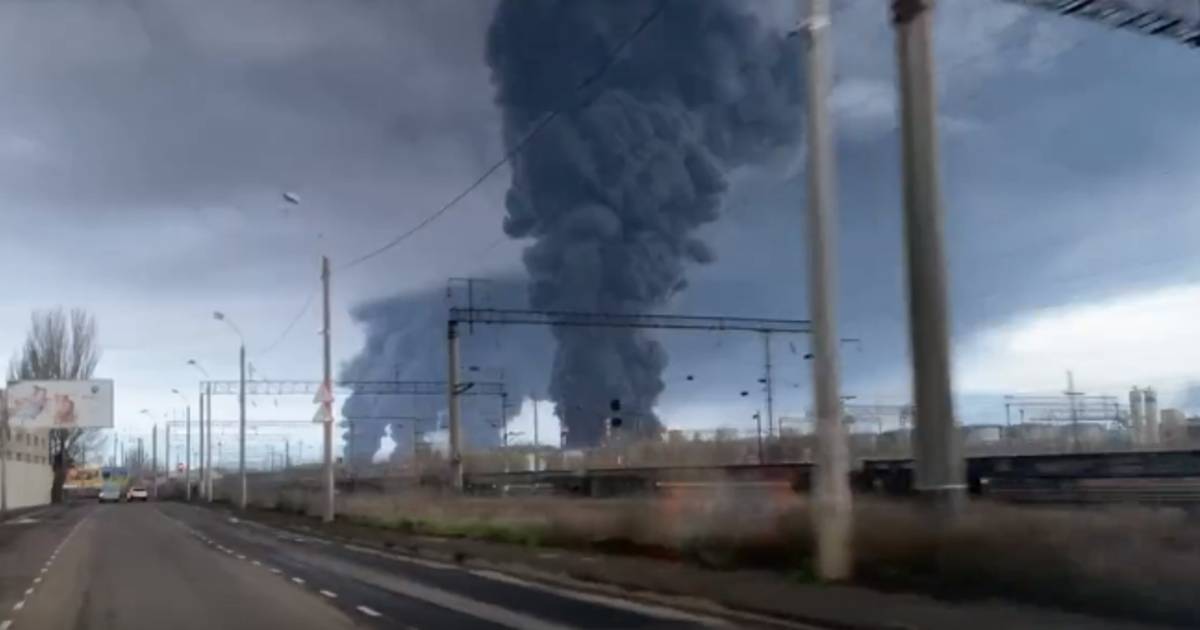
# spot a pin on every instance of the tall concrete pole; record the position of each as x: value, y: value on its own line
x: 937, y: 443
x: 328, y: 511
x: 242, y: 424
x: 202, y: 467
x: 208, y: 450
x: 832, y: 507
x: 166, y: 455
x: 200, y: 463
x: 154, y: 457
x: 187, y: 449
x: 456, y: 463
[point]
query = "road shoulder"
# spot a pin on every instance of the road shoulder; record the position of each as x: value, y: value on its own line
x: 754, y: 594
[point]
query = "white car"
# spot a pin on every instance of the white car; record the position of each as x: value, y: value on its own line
x: 137, y: 493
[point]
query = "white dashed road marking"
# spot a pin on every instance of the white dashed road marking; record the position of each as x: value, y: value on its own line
x: 370, y: 612
x: 4, y: 625
x: 298, y: 580
x: 275, y: 571
x: 329, y: 594
x: 37, y: 580
x: 29, y: 591
x: 19, y: 605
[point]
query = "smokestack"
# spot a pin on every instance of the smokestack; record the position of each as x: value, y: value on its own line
x: 1151, y: 426
x: 1136, y: 424
x: 640, y: 109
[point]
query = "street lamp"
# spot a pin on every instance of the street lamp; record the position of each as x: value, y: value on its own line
x: 187, y: 447
x: 205, y: 442
x: 219, y: 316
x: 141, y: 459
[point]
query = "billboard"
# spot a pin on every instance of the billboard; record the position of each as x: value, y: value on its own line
x: 81, y: 477
x: 61, y: 404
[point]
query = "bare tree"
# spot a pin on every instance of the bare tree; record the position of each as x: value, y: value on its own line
x: 60, y: 346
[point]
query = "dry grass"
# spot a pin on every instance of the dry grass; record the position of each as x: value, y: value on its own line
x: 1132, y: 562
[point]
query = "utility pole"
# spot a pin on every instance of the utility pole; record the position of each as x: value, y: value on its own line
x: 242, y: 424
x: 1072, y: 399
x: 758, y: 425
x: 287, y: 454
x: 768, y: 384
x: 937, y: 444
x: 504, y: 419
x: 470, y: 282
x: 208, y: 464
x: 832, y: 510
x: 327, y: 367
x: 187, y: 449
x: 536, y: 441
x: 166, y: 455
x: 187, y: 468
x: 456, y: 463
x: 154, y: 457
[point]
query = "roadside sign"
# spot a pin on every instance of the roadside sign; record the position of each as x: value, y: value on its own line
x: 323, y: 415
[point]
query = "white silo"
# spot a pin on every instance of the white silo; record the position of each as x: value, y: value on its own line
x: 1135, y: 416
x: 1150, y: 400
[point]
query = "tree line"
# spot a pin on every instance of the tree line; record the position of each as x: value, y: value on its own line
x: 59, y: 345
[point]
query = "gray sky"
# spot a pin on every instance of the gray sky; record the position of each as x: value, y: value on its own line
x: 144, y: 147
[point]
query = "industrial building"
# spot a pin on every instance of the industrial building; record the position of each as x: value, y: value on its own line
x: 27, y: 472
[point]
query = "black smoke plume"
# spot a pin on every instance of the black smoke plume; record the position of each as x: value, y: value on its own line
x: 652, y: 104
x: 406, y: 341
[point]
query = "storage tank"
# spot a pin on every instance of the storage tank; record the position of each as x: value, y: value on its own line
x: 1135, y: 415
x: 1150, y: 401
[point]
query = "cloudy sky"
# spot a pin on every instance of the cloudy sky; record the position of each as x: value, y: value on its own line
x: 144, y: 147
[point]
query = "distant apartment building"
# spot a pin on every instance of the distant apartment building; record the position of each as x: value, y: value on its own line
x: 28, y: 475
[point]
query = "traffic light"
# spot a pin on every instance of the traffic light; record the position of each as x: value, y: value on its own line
x: 614, y: 406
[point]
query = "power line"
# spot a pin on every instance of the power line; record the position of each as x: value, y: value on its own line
x: 292, y: 324
x: 520, y: 145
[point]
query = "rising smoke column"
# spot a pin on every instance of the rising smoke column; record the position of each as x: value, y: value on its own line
x: 613, y: 190
x: 405, y: 340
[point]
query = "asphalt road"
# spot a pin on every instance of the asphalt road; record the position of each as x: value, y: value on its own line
x: 179, y: 567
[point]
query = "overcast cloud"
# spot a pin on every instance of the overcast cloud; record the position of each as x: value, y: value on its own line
x: 144, y: 147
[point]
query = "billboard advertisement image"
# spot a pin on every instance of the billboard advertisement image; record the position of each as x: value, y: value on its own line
x: 61, y: 404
